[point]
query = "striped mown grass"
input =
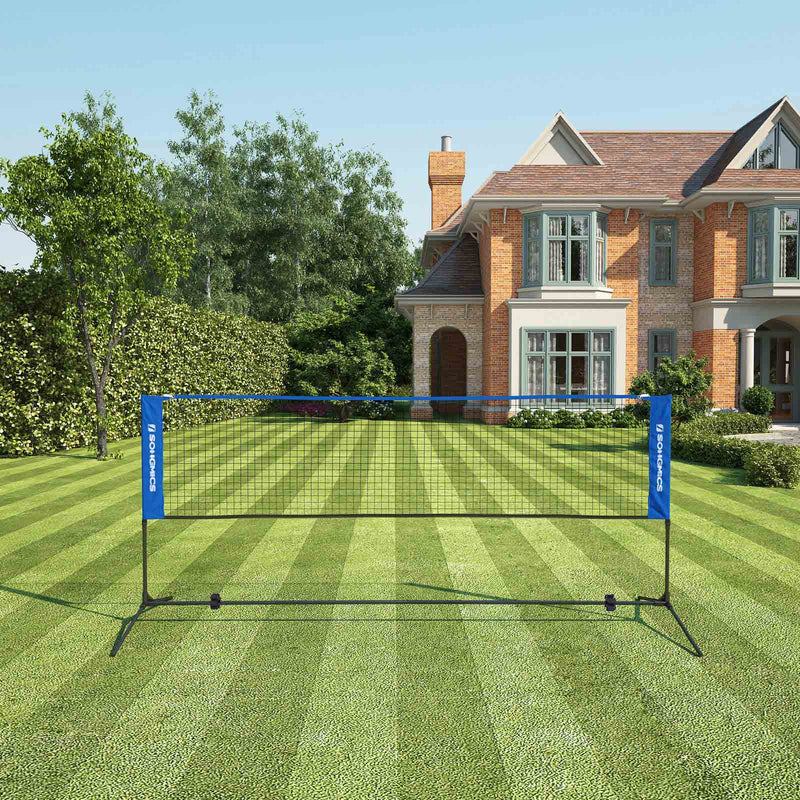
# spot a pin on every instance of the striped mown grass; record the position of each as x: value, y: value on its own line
x: 395, y: 702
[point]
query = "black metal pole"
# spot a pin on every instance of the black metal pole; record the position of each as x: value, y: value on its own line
x: 666, y: 559
x: 145, y: 593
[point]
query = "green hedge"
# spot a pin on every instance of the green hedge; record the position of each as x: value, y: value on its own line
x: 728, y: 423
x: 542, y: 418
x: 46, y: 393
x: 765, y: 463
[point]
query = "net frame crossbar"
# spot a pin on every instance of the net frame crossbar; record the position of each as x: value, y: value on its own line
x: 658, y: 503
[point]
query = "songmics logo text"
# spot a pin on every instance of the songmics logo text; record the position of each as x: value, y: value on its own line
x: 659, y: 457
x: 151, y: 447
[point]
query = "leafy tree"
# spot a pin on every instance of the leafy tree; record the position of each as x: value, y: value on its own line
x: 84, y: 205
x: 201, y: 188
x: 685, y: 379
x: 97, y: 114
x: 329, y: 356
x: 320, y: 221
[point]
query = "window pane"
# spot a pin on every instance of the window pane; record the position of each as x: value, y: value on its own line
x: 662, y: 344
x: 580, y: 342
x: 536, y: 342
x: 761, y: 221
x: 766, y: 152
x: 788, y: 151
x: 534, y: 250
x: 760, y: 258
x: 557, y: 379
x: 601, y: 226
x: 558, y: 260
x: 663, y: 233
x: 557, y: 226
x: 599, y: 261
x: 558, y: 342
x: 663, y: 270
x: 579, y: 260
x: 535, y: 375
x: 751, y: 162
x: 602, y: 342
x: 784, y: 361
x: 788, y: 256
x: 788, y: 219
x: 601, y: 374
x: 579, y: 369
x: 579, y: 226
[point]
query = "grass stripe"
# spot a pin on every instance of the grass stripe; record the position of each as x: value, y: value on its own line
x: 725, y: 739
x: 537, y: 734
x: 446, y: 743
x: 350, y: 733
x: 625, y: 728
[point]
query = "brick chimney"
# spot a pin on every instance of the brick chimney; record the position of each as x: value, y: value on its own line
x: 445, y: 176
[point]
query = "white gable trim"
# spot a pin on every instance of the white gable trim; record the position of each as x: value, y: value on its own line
x: 784, y: 112
x: 561, y: 125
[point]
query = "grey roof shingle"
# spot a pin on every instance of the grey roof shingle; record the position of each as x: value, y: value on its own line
x: 457, y: 272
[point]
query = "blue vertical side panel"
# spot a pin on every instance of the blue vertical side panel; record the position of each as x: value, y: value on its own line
x: 660, y: 449
x: 152, y: 457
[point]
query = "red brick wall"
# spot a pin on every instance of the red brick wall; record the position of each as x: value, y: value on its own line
x: 720, y: 264
x: 501, y: 280
x: 623, y: 278
x: 446, y: 170
x: 720, y: 347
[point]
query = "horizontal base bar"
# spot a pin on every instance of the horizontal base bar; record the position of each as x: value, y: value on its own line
x: 488, y: 602
x: 400, y: 516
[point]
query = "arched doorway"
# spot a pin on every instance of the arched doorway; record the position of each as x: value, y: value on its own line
x: 775, y: 365
x: 448, y: 368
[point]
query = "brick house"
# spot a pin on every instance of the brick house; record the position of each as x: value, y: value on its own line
x: 601, y: 252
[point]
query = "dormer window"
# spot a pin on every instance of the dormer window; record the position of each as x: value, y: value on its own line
x: 565, y: 247
x: 778, y: 151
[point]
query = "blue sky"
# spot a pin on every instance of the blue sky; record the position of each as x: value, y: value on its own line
x: 396, y: 75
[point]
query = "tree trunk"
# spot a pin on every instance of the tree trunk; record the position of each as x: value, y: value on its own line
x: 102, y: 430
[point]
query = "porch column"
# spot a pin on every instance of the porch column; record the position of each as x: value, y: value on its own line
x: 746, y: 379
x: 421, y: 369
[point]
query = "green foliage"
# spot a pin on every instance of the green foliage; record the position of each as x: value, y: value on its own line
x: 685, y: 379
x: 85, y: 203
x: 376, y: 409
x: 758, y: 400
x: 778, y: 466
x: 564, y: 418
x: 627, y: 417
x: 202, y: 189
x: 592, y: 418
x: 727, y: 423
x: 317, y: 221
x: 330, y: 356
x: 47, y: 404
x: 539, y: 418
x: 765, y: 463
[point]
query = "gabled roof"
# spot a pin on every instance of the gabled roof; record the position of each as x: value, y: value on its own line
x: 560, y: 143
x: 670, y: 164
x: 456, y: 273
x: 744, y: 141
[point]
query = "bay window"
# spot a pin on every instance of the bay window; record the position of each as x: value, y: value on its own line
x: 772, y: 244
x: 567, y: 362
x: 564, y: 247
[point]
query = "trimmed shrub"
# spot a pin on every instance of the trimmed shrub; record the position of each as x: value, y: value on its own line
x: 564, y: 418
x: 46, y: 399
x: 758, y: 400
x: 592, y: 418
x: 727, y: 424
x: 778, y: 465
x: 626, y: 417
x: 375, y: 409
x: 710, y: 448
x: 539, y: 418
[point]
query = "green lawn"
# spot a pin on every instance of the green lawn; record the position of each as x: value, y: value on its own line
x: 386, y: 701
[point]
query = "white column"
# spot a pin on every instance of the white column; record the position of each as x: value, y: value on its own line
x: 748, y: 350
